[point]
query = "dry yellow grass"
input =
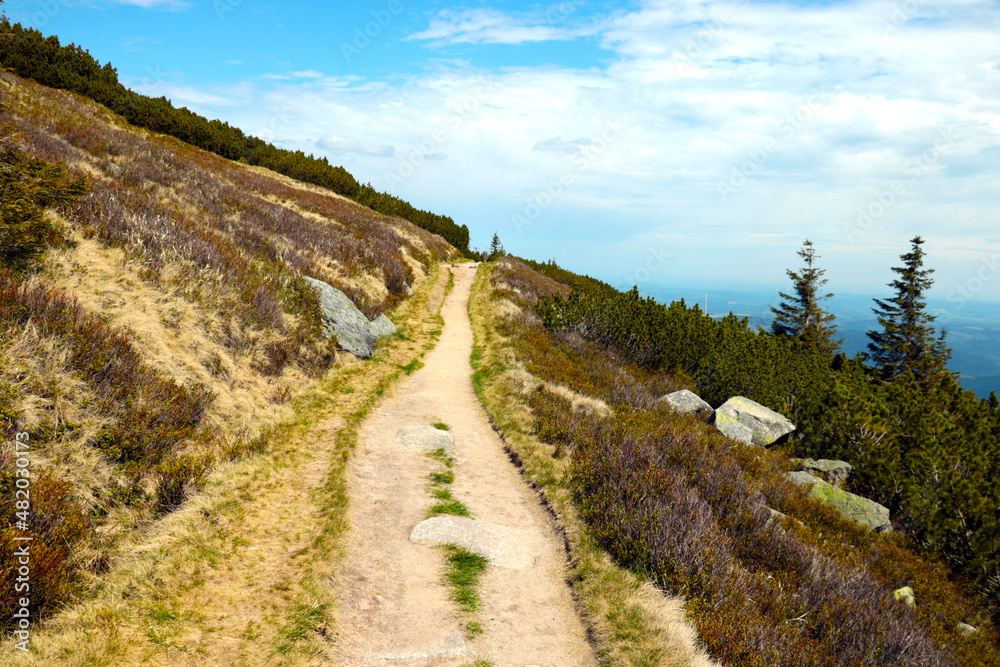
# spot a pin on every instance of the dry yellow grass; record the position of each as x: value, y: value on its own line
x: 239, y: 575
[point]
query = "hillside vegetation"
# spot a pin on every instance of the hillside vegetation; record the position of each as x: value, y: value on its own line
x: 166, y: 329
x: 572, y: 378
x: 30, y: 55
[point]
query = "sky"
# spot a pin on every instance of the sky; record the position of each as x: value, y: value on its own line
x: 654, y: 143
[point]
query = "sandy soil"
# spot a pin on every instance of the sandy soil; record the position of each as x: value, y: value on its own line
x: 394, y: 608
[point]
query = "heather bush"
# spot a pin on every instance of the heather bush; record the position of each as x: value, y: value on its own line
x: 671, y: 498
x: 57, y: 526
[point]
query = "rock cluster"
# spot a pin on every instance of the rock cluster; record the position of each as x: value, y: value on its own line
x: 751, y: 423
x: 341, y: 318
x: 739, y: 418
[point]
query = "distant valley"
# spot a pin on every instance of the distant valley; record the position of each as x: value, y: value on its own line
x: 973, y: 328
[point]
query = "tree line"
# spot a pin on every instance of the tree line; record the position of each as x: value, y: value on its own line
x: 30, y: 55
x: 921, y: 444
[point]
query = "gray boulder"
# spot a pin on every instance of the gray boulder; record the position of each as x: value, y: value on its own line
x: 341, y: 318
x: 426, y: 437
x: 505, y: 547
x: 967, y: 630
x: 767, y: 425
x: 852, y: 507
x: 689, y: 403
x: 382, y: 326
x: 835, y: 472
x: 732, y: 428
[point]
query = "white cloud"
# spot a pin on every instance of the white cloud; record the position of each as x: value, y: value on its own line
x: 175, y: 5
x: 337, y: 144
x: 809, y: 114
x: 491, y: 26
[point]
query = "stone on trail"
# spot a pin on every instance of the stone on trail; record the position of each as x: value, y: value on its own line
x: 687, y: 402
x: 505, y: 547
x: 426, y: 437
x: 452, y: 646
x: 767, y: 425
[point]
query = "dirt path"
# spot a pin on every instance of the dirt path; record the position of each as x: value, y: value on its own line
x: 394, y: 608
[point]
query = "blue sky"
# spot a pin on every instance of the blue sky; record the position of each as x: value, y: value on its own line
x: 657, y: 142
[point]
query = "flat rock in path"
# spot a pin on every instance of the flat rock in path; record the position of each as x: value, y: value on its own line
x: 453, y: 646
x: 426, y: 437
x: 504, y: 547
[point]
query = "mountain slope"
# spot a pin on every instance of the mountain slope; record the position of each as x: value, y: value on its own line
x: 168, y: 328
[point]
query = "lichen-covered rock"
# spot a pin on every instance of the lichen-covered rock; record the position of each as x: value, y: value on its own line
x: 768, y: 426
x: 835, y: 472
x: 906, y: 594
x: 341, y: 318
x: 732, y: 428
x: 850, y: 506
x: 689, y: 403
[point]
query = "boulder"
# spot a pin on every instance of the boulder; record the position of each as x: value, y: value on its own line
x: 505, y: 547
x: 426, y: 437
x: 767, y: 425
x: 341, y: 318
x: 382, y: 326
x: 852, y: 507
x: 967, y: 630
x: 689, y: 403
x: 906, y: 594
x: 835, y: 472
x: 731, y: 428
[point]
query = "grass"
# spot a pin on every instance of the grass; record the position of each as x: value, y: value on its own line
x: 462, y: 573
x: 195, y: 562
x: 450, y: 506
x: 441, y: 426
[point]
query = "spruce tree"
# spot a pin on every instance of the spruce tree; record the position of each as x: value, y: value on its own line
x: 908, y: 340
x: 800, y: 315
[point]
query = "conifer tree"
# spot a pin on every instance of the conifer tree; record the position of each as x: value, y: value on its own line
x: 800, y: 315
x: 908, y: 340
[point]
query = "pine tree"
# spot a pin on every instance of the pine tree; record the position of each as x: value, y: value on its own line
x: 908, y: 340
x: 800, y: 315
x: 496, y: 248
